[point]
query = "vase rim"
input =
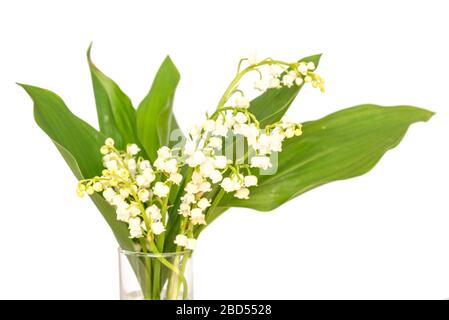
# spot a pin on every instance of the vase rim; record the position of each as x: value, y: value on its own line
x: 151, y: 254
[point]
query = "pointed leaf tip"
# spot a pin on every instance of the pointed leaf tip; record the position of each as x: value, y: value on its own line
x: 29, y: 90
x: 89, y: 57
x: 168, y: 62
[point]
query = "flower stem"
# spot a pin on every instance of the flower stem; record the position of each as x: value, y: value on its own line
x: 166, y: 263
x: 183, y: 268
x: 226, y: 95
x: 147, y: 290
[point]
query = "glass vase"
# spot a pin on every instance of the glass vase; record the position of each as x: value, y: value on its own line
x: 150, y: 276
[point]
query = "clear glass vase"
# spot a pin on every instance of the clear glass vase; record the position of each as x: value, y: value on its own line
x: 150, y: 276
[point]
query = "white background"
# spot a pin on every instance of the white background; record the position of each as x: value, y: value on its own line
x: 383, y: 235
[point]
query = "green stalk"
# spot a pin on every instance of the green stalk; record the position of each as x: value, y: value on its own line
x: 156, y: 278
x: 166, y: 263
x: 172, y: 282
x: 239, y: 76
x: 183, y: 267
x: 160, y: 245
x: 173, y: 279
x: 147, y: 290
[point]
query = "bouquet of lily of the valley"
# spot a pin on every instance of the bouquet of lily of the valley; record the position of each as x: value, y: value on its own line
x: 159, y: 188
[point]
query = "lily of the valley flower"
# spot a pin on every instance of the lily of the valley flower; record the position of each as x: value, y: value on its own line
x: 141, y: 191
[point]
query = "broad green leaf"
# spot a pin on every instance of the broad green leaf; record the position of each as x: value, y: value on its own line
x: 79, y: 145
x: 270, y: 106
x: 155, y: 118
x: 342, y: 145
x: 116, y: 115
x: 67, y: 130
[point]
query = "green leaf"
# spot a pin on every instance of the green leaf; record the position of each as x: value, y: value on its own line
x: 270, y: 106
x: 116, y: 115
x: 342, y: 145
x: 79, y: 145
x: 67, y: 130
x: 155, y: 118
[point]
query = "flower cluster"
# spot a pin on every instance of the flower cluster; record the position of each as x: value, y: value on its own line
x: 136, y: 189
x: 204, y: 149
x: 140, y: 191
x: 284, y: 74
